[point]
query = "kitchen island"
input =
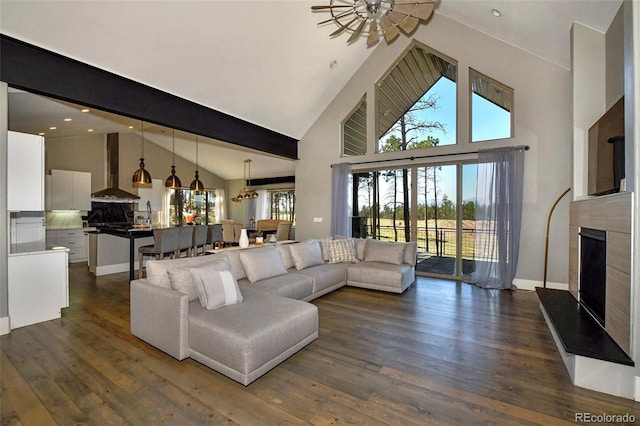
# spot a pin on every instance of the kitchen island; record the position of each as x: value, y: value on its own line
x: 114, y: 249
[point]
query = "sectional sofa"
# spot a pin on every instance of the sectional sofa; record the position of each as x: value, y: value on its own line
x: 242, y: 312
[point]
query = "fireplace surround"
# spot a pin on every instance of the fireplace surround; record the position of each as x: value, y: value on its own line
x: 593, y: 272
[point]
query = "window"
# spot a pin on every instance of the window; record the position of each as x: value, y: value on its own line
x: 282, y: 204
x: 186, y: 206
x: 491, y: 108
x: 354, y: 131
x: 417, y: 102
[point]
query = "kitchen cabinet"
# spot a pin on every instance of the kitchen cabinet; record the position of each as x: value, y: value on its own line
x: 38, y: 286
x: 76, y: 240
x: 153, y: 195
x: 70, y: 190
x: 25, y: 172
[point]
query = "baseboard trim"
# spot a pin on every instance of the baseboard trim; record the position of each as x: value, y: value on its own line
x: 532, y: 284
x: 5, y: 326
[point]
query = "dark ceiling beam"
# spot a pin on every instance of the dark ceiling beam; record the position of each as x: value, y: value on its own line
x: 271, y: 181
x: 34, y: 69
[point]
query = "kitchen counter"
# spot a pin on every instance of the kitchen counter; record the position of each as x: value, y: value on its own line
x: 114, y: 249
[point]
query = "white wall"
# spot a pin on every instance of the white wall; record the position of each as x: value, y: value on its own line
x: 542, y: 120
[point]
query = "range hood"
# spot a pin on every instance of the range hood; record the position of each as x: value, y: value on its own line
x: 113, y: 194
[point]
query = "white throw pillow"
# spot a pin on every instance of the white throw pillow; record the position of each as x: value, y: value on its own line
x: 306, y: 254
x: 341, y: 251
x: 180, y: 278
x: 216, y: 286
x: 262, y: 263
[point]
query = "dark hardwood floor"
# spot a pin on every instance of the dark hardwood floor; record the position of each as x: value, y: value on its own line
x: 441, y: 353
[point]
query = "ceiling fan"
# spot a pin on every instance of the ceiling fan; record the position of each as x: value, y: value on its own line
x: 371, y: 18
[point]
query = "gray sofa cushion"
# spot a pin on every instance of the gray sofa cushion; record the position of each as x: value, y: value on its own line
x: 260, y: 264
x: 326, y: 277
x: 285, y: 254
x: 235, y: 262
x: 381, y: 276
x: 294, y: 286
x: 386, y: 252
x: 182, y: 281
x: 245, y: 340
x: 410, y: 253
x: 306, y: 254
x: 157, y: 269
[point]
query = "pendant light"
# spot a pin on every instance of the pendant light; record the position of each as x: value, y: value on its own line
x: 246, y: 192
x: 173, y: 181
x: 141, y: 176
x: 196, y: 185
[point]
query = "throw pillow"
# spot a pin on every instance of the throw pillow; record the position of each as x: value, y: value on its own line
x: 359, y: 243
x: 180, y: 277
x: 216, y: 286
x: 306, y: 254
x: 263, y: 263
x: 342, y: 251
x: 385, y: 252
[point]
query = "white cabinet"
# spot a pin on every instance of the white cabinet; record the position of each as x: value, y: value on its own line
x: 38, y: 286
x: 70, y: 190
x: 76, y: 240
x: 25, y: 172
x: 152, y: 194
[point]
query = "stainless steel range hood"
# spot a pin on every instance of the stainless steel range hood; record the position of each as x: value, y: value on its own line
x: 112, y: 193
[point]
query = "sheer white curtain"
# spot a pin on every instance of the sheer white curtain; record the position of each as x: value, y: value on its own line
x: 220, y: 211
x: 340, y: 218
x: 262, y: 205
x: 498, y: 216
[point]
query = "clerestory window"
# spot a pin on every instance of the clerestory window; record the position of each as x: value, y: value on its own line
x: 416, y: 102
x: 354, y: 131
x: 491, y: 108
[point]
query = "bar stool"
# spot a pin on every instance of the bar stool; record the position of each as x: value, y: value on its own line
x: 214, y: 235
x: 200, y: 233
x: 165, y: 243
x: 185, y: 240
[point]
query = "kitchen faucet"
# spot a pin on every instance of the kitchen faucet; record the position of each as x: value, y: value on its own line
x: 148, y: 213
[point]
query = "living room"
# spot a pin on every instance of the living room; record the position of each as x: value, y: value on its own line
x: 545, y: 119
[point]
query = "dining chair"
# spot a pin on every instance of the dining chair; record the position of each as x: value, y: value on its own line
x: 165, y: 243
x: 228, y: 236
x: 200, y: 233
x: 283, y: 230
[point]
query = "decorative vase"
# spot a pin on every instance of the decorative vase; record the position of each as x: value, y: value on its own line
x: 273, y: 238
x: 244, y: 239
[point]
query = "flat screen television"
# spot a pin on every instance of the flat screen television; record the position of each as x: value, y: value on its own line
x: 606, y: 152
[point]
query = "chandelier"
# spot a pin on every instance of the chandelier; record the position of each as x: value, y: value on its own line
x: 373, y: 18
x: 246, y: 193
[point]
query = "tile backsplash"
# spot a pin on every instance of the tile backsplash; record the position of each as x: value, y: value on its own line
x: 64, y: 219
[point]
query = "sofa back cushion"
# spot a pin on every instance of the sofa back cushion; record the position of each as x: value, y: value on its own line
x: 410, y: 253
x: 157, y: 269
x: 262, y: 263
x: 385, y: 252
x: 236, y: 263
x: 306, y: 254
x: 285, y: 254
x: 180, y: 279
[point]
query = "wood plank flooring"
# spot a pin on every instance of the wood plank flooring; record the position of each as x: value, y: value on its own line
x: 441, y: 353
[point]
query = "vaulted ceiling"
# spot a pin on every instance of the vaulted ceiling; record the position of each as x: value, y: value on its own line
x: 266, y: 62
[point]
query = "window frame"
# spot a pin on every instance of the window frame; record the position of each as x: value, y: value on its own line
x: 502, y: 87
x: 363, y: 100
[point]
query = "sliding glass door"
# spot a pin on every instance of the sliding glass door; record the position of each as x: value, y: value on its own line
x: 433, y: 205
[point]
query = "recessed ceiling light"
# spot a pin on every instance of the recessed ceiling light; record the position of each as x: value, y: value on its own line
x: 90, y: 130
x: 496, y: 13
x: 41, y: 134
x: 131, y: 127
x: 67, y: 119
x: 52, y: 128
x: 86, y: 110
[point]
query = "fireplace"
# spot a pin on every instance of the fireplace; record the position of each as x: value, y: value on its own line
x: 593, y: 276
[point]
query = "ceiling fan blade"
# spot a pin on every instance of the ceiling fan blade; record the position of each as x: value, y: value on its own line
x: 342, y: 15
x: 373, y: 37
x: 356, y: 33
x: 389, y: 29
x: 405, y: 22
x: 417, y: 10
x: 324, y: 7
x: 342, y: 27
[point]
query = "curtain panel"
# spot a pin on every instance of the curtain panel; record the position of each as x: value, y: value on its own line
x: 340, y: 218
x: 498, y: 216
